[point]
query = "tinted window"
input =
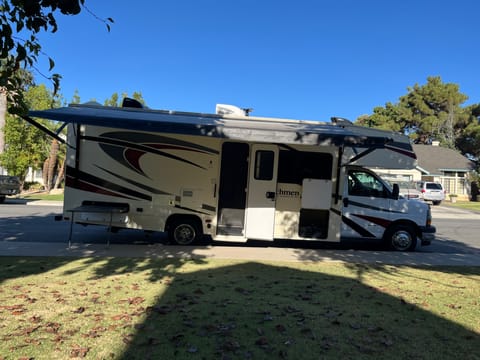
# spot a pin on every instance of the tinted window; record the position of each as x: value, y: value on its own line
x: 434, y: 186
x: 294, y: 166
x: 264, y: 165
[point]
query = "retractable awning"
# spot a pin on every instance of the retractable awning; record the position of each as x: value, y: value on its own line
x: 356, y: 140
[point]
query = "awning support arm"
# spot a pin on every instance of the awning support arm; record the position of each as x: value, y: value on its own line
x: 47, y: 130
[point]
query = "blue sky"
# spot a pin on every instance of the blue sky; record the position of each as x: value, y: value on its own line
x: 304, y: 59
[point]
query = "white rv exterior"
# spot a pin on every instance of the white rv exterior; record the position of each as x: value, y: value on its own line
x: 234, y: 177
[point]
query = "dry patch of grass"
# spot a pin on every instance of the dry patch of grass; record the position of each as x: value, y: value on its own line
x: 54, y: 308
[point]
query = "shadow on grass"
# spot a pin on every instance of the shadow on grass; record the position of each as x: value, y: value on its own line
x: 254, y: 310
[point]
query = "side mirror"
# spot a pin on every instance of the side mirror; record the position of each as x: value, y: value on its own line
x: 395, y: 192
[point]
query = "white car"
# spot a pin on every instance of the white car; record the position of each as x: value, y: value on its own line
x: 431, y: 191
x: 408, y: 191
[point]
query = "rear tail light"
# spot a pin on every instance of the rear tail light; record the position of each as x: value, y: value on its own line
x: 423, y: 190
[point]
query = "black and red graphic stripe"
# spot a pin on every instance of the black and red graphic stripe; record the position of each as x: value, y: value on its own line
x: 127, y: 148
x: 87, y: 182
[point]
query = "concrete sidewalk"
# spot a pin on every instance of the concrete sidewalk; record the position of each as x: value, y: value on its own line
x: 14, y: 248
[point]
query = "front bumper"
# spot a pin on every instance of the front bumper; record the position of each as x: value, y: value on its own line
x: 427, y: 234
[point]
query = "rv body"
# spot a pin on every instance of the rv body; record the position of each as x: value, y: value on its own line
x: 251, y: 178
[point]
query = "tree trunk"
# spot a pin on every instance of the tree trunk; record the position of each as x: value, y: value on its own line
x: 52, y: 163
x: 60, y: 175
x: 45, y: 173
x: 3, y: 113
x: 450, y: 135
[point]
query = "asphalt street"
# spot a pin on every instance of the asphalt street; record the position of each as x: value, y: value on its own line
x: 29, y: 229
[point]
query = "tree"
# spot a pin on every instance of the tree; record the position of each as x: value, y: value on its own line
x: 27, y: 80
x: 116, y: 100
x: 386, y: 118
x: 433, y: 110
x: 469, y: 139
x: 426, y: 112
x: 20, y: 48
x: 26, y: 146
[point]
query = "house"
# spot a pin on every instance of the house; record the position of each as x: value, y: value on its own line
x: 439, y: 164
x: 446, y: 166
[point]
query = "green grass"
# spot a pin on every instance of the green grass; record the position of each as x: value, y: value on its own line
x: 44, y: 196
x: 469, y: 205
x: 117, y: 308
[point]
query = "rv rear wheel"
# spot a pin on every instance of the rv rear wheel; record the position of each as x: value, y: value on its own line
x: 184, y: 232
x: 401, y: 238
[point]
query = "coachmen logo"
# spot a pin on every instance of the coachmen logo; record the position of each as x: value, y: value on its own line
x: 288, y: 193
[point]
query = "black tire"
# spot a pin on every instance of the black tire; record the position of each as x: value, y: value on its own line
x: 401, y: 238
x: 436, y: 202
x: 184, y: 232
x: 2, y: 199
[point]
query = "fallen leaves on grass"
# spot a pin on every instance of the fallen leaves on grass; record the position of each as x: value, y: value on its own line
x: 79, y: 351
x: 18, y: 309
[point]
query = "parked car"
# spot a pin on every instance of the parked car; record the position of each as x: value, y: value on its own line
x: 408, y: 190
x: 431, y: 191
x: 9, y: 185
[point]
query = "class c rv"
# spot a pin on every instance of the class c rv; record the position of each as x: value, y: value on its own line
x: 235, y: 177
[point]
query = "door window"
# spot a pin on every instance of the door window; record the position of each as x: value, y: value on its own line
x: 264, y: 161
x: 362, y: 183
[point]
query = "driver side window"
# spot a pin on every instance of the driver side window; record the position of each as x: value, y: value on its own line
x: 361, y: 183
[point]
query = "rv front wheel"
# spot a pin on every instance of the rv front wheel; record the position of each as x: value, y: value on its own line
x: 401, y: 238
x: 184, y: 232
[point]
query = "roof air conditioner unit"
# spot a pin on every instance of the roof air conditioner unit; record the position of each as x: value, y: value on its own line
x: 223, y: 109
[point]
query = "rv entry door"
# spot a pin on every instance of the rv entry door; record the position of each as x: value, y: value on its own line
x: 262, y: 192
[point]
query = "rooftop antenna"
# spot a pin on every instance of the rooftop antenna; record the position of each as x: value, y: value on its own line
x: 247, y: 111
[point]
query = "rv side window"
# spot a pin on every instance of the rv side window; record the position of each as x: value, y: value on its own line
x: 294, y: 166
x: 361, y: 183
x: 264, y: 161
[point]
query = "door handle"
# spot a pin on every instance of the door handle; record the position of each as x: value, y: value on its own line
x: 270, y: 195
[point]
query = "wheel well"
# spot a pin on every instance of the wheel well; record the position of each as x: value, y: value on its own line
x: 172, y: 219
x: 408, y: 223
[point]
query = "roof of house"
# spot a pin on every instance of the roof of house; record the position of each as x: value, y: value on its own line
x: 435, y: 160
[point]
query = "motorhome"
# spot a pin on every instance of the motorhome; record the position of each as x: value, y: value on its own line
x: 236, y: 177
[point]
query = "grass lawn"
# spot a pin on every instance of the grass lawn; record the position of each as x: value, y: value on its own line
x: 44, y: 196
x: 469, y: 205
x: 117, y: 308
